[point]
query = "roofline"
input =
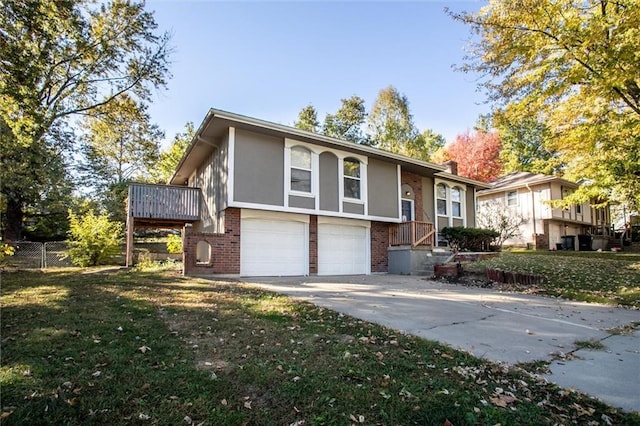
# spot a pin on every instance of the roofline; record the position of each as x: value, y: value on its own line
x: 547, y: 179
x: 213, y: 113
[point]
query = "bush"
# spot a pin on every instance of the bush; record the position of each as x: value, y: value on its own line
x: 174, y: 244
x: 469, y: 239
x: 5, y: 250
x: 93, y: 240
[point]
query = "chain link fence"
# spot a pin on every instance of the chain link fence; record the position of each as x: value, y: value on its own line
x: 33, y: 255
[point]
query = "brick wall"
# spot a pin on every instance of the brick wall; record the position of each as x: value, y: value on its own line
x: 415, y: 182
x: 225, y: 248
x: 313, y: 244
x: 379, y: 245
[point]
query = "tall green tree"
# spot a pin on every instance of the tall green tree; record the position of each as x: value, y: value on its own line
x: 169, y: 158
x: 425, y: 147
x: 525, y: 146
x: 391, y: 123
x: 574, y: 66
x: 347, y: 122
x: 121, y: 142
x: 62, y: 59
x: 308, y: 119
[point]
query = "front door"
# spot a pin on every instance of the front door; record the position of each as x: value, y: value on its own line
x: 407, y: 210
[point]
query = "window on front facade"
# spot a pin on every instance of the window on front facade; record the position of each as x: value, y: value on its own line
x: 441, y: 196
x: 579, y: 208
x: 512, y: 198
x: 300, y: 169
x: 351, y: 178
x: 456, y: 202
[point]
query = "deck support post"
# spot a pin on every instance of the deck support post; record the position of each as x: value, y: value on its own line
x: 129, y: 252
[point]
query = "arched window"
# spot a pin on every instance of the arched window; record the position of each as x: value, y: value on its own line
x: 351, y: 178
x: 300, y: 169
x: 203, y: 253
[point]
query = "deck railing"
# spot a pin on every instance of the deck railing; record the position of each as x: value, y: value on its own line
x: 412, y: 233
x: 164, y: 202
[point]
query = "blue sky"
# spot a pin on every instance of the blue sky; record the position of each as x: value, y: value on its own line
x: 269, y: 59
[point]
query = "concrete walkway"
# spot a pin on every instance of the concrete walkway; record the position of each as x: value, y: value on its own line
x: 503, y: 327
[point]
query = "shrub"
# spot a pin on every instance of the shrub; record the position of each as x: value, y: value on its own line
x: 174, y: 244
x: 469, y: 239
x: 5, y: 250
x: 93, y: 240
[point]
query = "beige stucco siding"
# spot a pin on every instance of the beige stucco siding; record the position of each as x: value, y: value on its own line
x: 382, y: 191
x: 258, y: 169
x: 328, y: 182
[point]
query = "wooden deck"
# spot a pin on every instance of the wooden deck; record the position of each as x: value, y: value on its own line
x: 163, y: 203
x: 412, y: 233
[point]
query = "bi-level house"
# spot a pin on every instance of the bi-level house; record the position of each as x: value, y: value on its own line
x: 264, y: 199
x: 579, y: 226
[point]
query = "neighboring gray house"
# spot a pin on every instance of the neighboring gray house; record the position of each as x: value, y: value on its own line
x: 264, y: 199
x: 528, y: 194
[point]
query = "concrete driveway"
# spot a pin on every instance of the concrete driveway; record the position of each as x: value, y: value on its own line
x: 502, y: 327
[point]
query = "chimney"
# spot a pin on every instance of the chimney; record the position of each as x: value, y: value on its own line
x: 452, y: 167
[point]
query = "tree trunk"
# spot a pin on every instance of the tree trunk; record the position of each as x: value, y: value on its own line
x: 13, y: 220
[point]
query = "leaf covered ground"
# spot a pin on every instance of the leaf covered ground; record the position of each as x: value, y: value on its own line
x: 117, y: 347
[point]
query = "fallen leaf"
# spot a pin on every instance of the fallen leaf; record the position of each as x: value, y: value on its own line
x: 144, y: 349
x: 247, y: 404
x: 96, y: 374
x: 188, y: 420
x: 143, y: 416
x: 72, y: 401
x: 447, y: 422
x: 223, y: 402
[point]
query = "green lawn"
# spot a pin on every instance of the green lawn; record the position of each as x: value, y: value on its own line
x: 612, y: 278
x: 91, y: 347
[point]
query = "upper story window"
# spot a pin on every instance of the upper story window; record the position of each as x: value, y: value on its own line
x: 512, y: 198
x: 579, y: 208
x: 456, y: 202
x: 300, y: 169
x: 351, y: 178
x: 441, y: 196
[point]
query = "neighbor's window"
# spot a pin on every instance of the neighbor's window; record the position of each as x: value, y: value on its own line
x: 300, y: 169
x: 441, y: 195
x: 351, y: 178
x: 456, y: 202
x: 512, y: 198
x: 578, y: 208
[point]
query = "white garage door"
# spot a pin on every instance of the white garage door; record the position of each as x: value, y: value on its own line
x: 342, y: 249
x: 272, y: 247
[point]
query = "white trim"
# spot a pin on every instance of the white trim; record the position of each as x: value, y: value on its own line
x: 340, y: 183
x: 231, y: 164
x: 399, y: 191
x: 282, y: 209
x: 449, y: 201
x: 287, y: 174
